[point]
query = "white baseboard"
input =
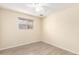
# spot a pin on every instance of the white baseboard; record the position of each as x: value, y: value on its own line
x: 38, y: 41
x: 61, y: 47
x: 18, y: 45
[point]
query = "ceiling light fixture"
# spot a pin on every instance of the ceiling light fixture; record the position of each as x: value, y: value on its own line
x: 38, y: 7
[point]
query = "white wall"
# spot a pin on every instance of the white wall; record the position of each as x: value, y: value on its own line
x: 62, y: 29
x: 0, y: 29
x: 10, y: 34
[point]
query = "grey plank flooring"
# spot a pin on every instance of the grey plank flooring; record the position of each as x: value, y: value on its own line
x: 38, y: 48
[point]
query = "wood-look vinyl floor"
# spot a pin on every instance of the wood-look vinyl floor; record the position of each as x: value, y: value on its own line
x: 38, y: 48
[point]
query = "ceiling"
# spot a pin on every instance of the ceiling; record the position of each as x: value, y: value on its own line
x: 29, y: 8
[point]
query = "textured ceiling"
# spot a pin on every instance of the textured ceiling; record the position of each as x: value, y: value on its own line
x: 29, y: 8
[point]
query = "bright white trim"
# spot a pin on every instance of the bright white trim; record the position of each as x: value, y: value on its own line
x: 62, y: 47
x: 17, y: 45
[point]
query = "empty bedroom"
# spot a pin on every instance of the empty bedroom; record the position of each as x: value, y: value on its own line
x: 39, y: 28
